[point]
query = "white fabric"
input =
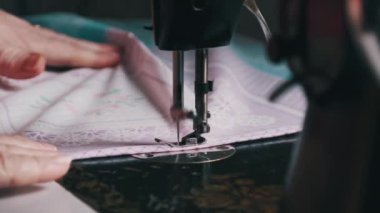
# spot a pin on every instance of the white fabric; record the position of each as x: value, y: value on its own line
x: 114, y: 111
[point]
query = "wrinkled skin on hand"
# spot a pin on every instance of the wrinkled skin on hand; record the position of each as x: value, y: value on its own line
x: 24, y: 162
x: 25, y: 50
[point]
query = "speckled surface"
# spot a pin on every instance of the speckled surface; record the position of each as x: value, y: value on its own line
x: 250, y: 181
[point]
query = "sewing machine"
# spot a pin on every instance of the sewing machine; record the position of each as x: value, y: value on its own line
x: 332, y: 49
x: 185, y: 25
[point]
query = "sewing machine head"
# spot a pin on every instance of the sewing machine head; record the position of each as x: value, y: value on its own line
x: 193, y: 25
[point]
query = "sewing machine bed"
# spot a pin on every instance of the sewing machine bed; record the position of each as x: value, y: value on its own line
x: 250, y: 181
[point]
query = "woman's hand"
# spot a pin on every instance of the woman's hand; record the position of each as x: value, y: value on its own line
x: 24, y: 162
x: 26, y: 49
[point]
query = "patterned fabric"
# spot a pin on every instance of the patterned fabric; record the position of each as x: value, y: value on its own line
x: 114, y: 111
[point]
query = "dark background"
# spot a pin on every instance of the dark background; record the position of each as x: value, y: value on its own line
x: 124, y: 9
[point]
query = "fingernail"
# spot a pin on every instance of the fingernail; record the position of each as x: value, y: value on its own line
x: 49, y: 146
x: 63, y: 159
x: 116, y: 57
x: 32, y: 66
x: 110, y: 48
x: 113, y: 55
x: 31, y: 62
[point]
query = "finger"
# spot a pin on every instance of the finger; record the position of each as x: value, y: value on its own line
x: 99, y: 48
x: 20, y: 64
x: 63, y: 54
x: 66, y: 40
x: 20, y: 141
x: 91, y: 46
x: 9, y: 18
x: 11, y: 149
x: 19, y: 170
x: 78, y: 57
x: 65, y: 51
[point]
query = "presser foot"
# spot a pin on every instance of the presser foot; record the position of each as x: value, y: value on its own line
x: 187, y: 152
x: 192, y: 139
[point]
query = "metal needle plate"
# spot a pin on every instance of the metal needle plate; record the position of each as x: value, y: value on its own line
x: 195, y: 156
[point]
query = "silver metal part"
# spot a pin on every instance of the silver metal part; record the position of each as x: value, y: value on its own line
x: 178, y: 80
x: 201, y: 90
x: 178, y: 84
x: 201, y: 86
x: 192, y: 141
x: 197, y: 156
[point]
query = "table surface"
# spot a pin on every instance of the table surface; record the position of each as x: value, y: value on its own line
x: 250, y: 181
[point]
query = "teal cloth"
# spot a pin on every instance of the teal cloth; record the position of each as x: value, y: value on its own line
x: 251, y: 51
x: 93, y: 30
x: 72, y: 25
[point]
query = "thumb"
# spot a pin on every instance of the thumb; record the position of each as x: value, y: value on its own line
x: 20, y: 64
x: 19, y: 169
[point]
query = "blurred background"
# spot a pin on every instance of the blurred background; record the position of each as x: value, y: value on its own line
x: 131, y: 9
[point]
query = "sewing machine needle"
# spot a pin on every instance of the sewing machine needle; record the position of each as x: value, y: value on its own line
x: 178, y: 82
